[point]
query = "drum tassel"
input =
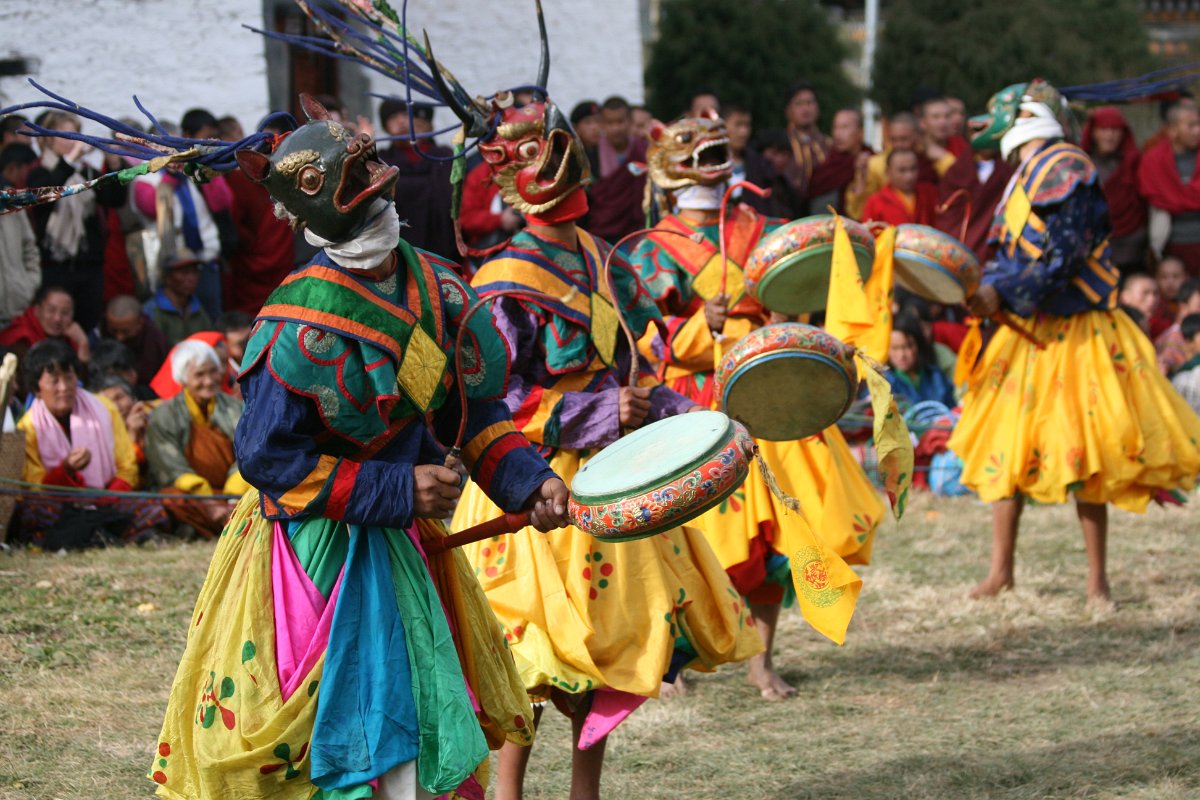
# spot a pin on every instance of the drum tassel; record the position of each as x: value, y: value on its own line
x: 789, y: 502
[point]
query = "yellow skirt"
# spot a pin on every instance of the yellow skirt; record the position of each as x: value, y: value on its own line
x: 840, y: 503
x: 582, y: 614
x: 259, y: 745
x: 1089, y: 414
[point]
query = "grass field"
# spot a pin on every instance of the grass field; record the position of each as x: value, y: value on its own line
x: 933, y: 695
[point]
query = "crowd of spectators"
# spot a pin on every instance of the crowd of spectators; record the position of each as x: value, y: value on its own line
x: 130, y: 307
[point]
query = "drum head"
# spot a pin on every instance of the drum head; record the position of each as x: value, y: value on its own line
x: 784, y: 396
x: 927, y: 279
x: 800, y: 283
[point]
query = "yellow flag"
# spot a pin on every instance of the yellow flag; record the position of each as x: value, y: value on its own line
x: 968, y: 352
x: 893, y: 444
x: 879, y: 290
x: 826, y: 588
x: 848, y: 315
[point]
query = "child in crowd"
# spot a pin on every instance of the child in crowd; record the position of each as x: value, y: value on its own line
x: 1139, y: 291
x: 903, y: 199
x: 914, y: 374
x: 1170, y: 276
x: 1187, y: 378
x: 1170, y: 344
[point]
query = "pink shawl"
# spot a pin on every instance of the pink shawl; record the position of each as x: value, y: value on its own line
x: 91, y: 427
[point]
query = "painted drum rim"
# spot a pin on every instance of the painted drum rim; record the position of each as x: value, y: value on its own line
x: 725, y: 470
x: 588, y: 517
x: 908, y: 255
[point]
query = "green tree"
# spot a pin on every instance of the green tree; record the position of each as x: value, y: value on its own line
x: 974, y: 48
x: 747, y: 51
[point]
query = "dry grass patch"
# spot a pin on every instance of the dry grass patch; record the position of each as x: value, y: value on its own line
x: 933, y: 696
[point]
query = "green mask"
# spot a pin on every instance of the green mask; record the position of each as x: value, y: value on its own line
x: 1003, y: 109
x: 325, y: 177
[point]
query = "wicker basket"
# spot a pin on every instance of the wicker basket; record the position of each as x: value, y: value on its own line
x: 12, y: 462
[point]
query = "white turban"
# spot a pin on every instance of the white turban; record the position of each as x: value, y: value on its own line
x: 191, y: 353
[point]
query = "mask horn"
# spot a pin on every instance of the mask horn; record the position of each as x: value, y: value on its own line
x: 543, y: 75
x: 456, y: 97
x: 313, y: 109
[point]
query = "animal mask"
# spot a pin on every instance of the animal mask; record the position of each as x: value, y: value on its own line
x: 535, y: 156
x: 326, y: 178
x: 689, y: 152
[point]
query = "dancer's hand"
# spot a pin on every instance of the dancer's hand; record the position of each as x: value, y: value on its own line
x: 985, y: 302
x: 435, y: 491
x: 548, y: 506
x: 716, y: 311
x: 633, y: 405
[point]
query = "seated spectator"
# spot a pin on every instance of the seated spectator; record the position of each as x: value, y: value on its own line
x: 1139, y: 291
x: 1187, y: 379
x: 126, y: 322
x: 1170, y: 345
x: 914, y: 374
x: 110, y: 357
x: 235, y: 326
x: 1169, y: 275
x: 136, y: 413
x: 164, y: 383
x: 871, y: 172
x: 174, y: 308
x: 903, y: 199
x: 74, y: 438
x: 20, y: 259
x: 189, y: 442
x: 1170, y: 182
x: 51, y: 316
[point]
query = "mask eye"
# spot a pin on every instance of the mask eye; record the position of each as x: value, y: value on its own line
x: 492, y: 155
x: 684, y: 138
x: 311, y: 179
x: 528, y: 150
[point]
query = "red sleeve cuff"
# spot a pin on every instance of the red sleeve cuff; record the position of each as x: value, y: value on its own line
x: 60, y: 477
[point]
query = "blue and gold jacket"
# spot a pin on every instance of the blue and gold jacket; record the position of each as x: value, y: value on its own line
x: 1051, y: 234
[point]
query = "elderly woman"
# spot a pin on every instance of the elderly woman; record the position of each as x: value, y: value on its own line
x: 189, y: 441
x: 76, y: 439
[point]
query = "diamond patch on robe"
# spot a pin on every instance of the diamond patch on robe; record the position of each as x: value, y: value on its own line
x: 707, y: 282
x: 605, y: 323
x: 421, y: 369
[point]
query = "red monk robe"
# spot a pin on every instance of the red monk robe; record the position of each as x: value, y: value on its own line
x: 1159, y: 182
x: 897, y: 208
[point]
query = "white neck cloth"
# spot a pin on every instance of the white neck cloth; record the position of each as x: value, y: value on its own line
x: 368, y: 247
x: 1042, y: 125
x: 700, y: 198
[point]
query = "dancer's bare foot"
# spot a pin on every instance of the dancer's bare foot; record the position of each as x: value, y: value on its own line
x: 1099, y: 599
x: 769, y: 682
x: 991, y: 586
x: 669, y: 691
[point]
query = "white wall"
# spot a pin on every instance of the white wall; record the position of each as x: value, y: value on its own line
x: 595, y: 46
x: 178, y: 54
x: 173, y: 54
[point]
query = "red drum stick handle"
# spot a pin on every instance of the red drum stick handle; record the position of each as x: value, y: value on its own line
x: 505, y: 523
